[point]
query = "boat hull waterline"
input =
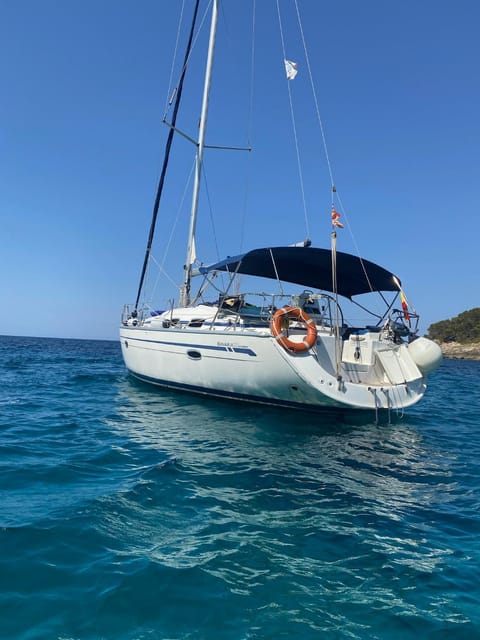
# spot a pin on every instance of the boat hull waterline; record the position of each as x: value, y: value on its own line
x: 252, y: 366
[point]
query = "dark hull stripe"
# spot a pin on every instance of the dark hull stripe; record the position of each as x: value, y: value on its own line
x: 231, y: 395
x: 244, y: 350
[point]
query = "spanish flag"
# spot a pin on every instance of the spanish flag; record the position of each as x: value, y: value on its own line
x: 336, y: 219
x: 404, y: 302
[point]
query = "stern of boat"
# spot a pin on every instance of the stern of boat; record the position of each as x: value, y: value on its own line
x: 366, y: 369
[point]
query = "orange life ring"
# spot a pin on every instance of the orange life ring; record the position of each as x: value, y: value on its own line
x: 293, y: 313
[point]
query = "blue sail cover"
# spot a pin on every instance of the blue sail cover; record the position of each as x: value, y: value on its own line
x: 310, y: 267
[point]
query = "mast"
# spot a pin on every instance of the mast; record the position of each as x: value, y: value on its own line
x: 185, y: 290
x: 168, y: 146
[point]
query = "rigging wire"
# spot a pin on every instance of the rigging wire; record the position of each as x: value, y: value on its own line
x: 252, y: 76
x: 186, y: 61
x: 161, y: 270
x: 355, y: 244
x: 168, y: 147
x: 210, y: 210
x: 299, y: 164
x: 170, y: 96
x: 309, y: 69
x: 161, y: 266
x: 325, y: 147
x: 333, y: 192
x: 249, y: 128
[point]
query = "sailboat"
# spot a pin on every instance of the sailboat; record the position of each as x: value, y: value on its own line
x: 290, y: 347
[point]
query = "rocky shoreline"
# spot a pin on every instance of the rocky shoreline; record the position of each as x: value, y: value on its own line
x: 468, y: 351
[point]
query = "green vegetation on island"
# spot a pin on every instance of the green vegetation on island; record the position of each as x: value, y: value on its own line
x: 464, y: 328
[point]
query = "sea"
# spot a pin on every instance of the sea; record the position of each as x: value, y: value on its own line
x: 133, y: 513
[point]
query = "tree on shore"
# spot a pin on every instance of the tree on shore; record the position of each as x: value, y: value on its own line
x: 463, y: 328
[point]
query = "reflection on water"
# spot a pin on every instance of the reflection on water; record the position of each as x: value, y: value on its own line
x: 387, y: 465
x: 328, y: 512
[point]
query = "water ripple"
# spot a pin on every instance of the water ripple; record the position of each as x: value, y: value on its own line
x: 129, y: 514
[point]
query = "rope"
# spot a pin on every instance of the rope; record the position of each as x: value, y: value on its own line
x: 374, y: 393
x: 299, y: 165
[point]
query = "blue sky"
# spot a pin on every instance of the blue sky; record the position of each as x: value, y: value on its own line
x: 83, y: 88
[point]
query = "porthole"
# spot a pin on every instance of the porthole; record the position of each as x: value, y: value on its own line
x: 126, y: 344
x: 194, y: 355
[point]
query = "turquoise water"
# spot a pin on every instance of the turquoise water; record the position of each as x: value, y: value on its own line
x: 130, y: 513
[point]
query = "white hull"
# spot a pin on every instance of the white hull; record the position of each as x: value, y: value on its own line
x: 249, y: 365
